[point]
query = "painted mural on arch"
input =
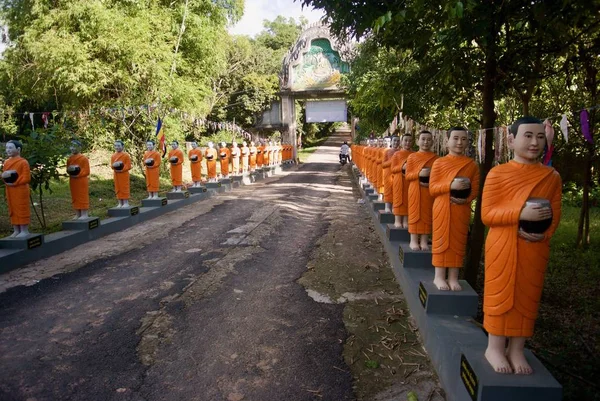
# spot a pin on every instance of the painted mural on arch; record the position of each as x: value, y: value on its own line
x: 321, y: 67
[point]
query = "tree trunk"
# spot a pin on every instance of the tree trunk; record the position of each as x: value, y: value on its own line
x: 476, y: 241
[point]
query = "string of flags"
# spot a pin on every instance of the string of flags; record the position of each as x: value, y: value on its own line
x: 122, y: 113
x: 500, y: 134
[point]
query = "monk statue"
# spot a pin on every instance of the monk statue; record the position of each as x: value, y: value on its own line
x: 211, y: 162
x: 152, y: 161
x: 260, y: 154
x: 399, y: 183
x: 267, y: 154
x: 384, y: 145
x: 420, y: 202
x: 388, y: 184
x: 176, y: 161
x: 195, y: 157
x: 121, y: 164
x: 78, y: 168
x: 453, y: 184
x: 521, y: 207
x: 245, y: 156
x: 16, y: 176
x: 235, y: 158
x: 224, y: 159
x: 252, y: 160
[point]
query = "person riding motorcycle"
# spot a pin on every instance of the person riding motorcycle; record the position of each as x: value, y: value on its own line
x: 345, y: 151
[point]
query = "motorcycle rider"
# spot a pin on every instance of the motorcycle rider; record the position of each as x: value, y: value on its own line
x: 345, y: 150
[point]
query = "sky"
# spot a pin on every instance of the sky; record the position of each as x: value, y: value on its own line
x: 255, y: 11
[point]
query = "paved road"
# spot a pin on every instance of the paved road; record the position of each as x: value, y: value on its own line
x: 211, y: 311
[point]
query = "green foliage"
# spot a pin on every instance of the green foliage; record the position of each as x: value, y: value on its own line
x: 45, y: 150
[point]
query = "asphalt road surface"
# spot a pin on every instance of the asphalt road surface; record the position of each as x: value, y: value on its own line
x: 207, y: 310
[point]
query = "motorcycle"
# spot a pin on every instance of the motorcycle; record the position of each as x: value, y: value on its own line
x: 343, y: 159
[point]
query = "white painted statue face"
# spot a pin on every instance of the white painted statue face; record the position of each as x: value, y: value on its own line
x: 223, y: 144
x: 211, y: 145
x: 118, y: 147
x: 395, y: 142
x: 150, y: 145
x: 244, y: 144
x: 194, y: 145
x: 425, y: 142
x: 11, y: 150
x: 174, y: 145
x: 457, y: 142
x: 234, y: 144
x: 74, y: 148
x: 529, y: 143
x: 407, y: 142
x: 387, y: 142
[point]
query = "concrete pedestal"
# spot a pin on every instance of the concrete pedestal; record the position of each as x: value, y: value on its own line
x: 378, y: 206
x: 415, y: 259
x: 247, y: 179
x: 385, y: 217
x: 155, y: 202
x: 215, y: 187
x: 396, y: 233
x: 197, y: 190
x: 455, y: 303
x: 81, y: 224
x: 123, y: 211
x: 479, y: 382
x: 372, y: 197
x: 29, y: 242
x: 178, y: 195
x: 370, y: 191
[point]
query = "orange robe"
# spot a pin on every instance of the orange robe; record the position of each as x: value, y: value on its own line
x: 224, y: 156
x: 152, y: 172
x: 235, y: 160
x: 451, y: 221
x: 80, y: 183
x: 196, y: 165
x: 253, y: 151
x: 388, y: 189
x: 400, y: 193
x: 211, y: 162
x: 121, y: 177
x: 379, y: 169
x: 176, y: 168
x: 260, y: 155
x: 420, y: 202
x: 245, y: 155
x: 515, y: 268
x: 17, y: 194
x: 267, y: 155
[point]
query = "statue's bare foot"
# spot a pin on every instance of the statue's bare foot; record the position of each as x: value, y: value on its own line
x: 75, y: 218
x: 424, y: 246
x: 398, y: 225
x: 441, y: 284
x: 519, y: 363
x: 454, y: 285
x: 14, y: 234
x: 414, y: 246
x: 22, y: 235
x: 498, y: 361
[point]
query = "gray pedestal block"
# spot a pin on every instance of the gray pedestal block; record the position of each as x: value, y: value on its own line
x: 479, y: 381
x: 123, y: 211
x: 178, y: 195
x: 247, y: 179
x: 90, y: 223
x: 396, y: 233
x: 378, y: 205
x: 155, y: 202
x: 197, y: 190
x: 369, y: 190
x: 372, y: 198
x: 460, y: 303
x: 215, y: 187
x: 410, y: 258
x: 236, y: 178
x: 385, y: 217
x: 29, y: 242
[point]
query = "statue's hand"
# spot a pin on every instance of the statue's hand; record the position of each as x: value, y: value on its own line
x: 424, y: 184
x: 536, y: 213
x: 458, y: 201
x: 7, y: 173
x: 531, y: 237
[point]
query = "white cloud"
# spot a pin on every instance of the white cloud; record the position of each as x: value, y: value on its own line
x: 256, y: 11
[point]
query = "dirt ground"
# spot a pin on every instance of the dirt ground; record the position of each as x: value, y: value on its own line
x: 349, y: 266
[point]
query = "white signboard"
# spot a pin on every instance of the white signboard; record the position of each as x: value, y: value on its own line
x: 324, y: 111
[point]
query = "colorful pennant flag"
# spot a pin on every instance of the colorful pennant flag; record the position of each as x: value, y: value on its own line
x: 160, y: 137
